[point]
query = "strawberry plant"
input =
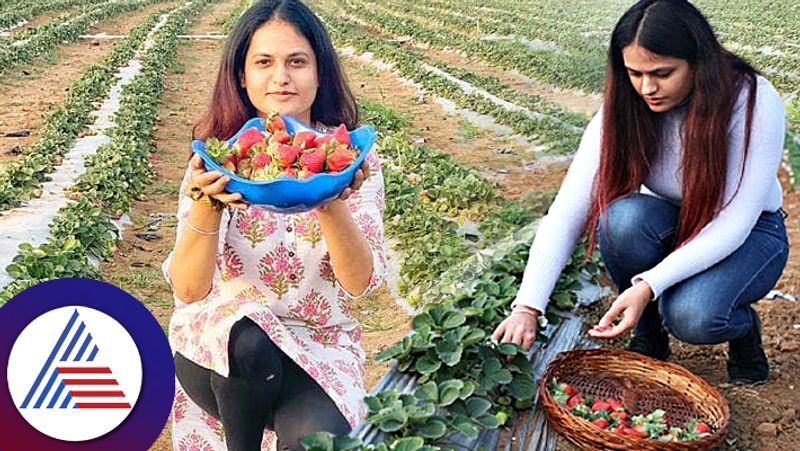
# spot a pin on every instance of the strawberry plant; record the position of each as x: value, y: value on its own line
x: 19, y: 180
x: 116, y: 177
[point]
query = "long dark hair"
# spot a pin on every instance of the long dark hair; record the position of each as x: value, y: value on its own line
x: 230, y: 107
x: 631, y: 131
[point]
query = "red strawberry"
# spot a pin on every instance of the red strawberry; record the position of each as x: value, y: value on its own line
x: 600, y: 405
x: 261, y: 159
x: 619, y: 430
x: 275, y: 123
x: 290, y: 171
x: 602, y: 423
x: 281, y: 137
x: 305, y: 139
x: 340, y: 158
x: 574, y: 401
x: 635, y: 432
x: 702, y: 428
x: 248, y: 139
x: 314, y: 161
x: 614, y: 404
x: 569, y: 390
x: 287, y: 154
x: 341, y: 136
x: 230, y: 166
x: 324, y: 140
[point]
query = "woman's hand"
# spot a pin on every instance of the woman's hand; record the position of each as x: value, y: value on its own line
x: 630, y: 304
x: 213, y: 183
x: 519, y: 327
x: 361, y: 174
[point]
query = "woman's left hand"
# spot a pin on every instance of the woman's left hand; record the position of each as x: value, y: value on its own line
x: 361, y: 174
x: 630, y: 304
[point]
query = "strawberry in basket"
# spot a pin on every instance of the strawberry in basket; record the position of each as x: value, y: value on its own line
x: 274, y: 153
x: 611, y: 415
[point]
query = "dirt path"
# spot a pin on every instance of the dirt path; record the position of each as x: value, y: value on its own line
x: 31, y: 93
x: 499, y: 158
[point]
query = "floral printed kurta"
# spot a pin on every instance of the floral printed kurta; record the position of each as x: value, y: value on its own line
x: 275, y: 269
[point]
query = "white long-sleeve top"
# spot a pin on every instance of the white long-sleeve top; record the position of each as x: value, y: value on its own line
x: 760, y: 191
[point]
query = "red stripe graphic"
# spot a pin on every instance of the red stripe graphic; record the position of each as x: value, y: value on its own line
x: 90, y: 382
x: 103, y: 405
x: 84, y: 370
x: 100, y: 394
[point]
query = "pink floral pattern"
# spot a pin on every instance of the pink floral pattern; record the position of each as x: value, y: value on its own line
x: 313, y: 309
x: 255, y: 225
x: 326, y: 269
x: 307, y: 228
x: 231, y: 264
x: 215, y: 426
x: 281, y: 270
x: 276, y: 270
x: 194, y: 442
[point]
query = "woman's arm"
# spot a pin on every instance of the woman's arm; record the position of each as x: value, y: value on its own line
x: 351, y: 257
x: 191, y: 265
x: 353, y: 231
x: 564, y: 223
x: 193, y: 260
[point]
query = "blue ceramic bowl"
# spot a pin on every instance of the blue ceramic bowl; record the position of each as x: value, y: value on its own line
x: 287, y: 194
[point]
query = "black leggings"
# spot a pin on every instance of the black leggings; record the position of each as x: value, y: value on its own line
x: 265, y: 389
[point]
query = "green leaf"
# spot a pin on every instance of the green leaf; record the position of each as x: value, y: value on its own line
x: 318, y: 441
x: 423, y: 319
x: 344, y: 443
x: 507, y: 348
x: 453, y: 319
x: 433, y: 428
x: 467, y: 390
x: 408, y: 444
x: 464, y: 425
x: 522, y: 386
x: 449, y: 352
x: 427, y: 392
x: 489, y: 421
x: 427, y: 366
x: 449, y: 391
x: 478, y: 406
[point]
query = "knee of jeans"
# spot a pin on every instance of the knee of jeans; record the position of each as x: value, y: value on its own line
x: 690, y: 321
x: 252, y: 354
x: 623, y: 220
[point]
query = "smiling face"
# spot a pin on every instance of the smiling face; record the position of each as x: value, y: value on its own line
x: 662, y: 81
x: 280, y: 71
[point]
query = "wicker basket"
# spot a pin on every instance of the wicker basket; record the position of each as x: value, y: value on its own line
x: 643, y: 385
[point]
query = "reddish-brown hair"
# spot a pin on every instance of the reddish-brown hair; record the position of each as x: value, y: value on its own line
x: 631, y: 135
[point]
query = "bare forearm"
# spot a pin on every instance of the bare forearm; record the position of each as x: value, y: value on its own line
x: 351, y: 257
x: 194, y: 257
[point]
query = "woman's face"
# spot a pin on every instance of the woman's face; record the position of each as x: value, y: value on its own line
x: 662, y: 81
x: 280, y: 71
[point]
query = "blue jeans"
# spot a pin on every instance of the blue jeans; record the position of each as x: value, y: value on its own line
x: 638, y: 231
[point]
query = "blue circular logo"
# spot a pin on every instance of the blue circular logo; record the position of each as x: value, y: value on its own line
x: 87, y: 368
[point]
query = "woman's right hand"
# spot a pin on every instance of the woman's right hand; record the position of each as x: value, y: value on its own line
x: 519, y: 327
x: 213, y: 183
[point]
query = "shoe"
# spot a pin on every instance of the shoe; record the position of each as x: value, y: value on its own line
x: 653, y: 344
x: 747, y: 363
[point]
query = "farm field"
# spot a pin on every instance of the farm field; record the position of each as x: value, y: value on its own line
x: 479, y: 106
